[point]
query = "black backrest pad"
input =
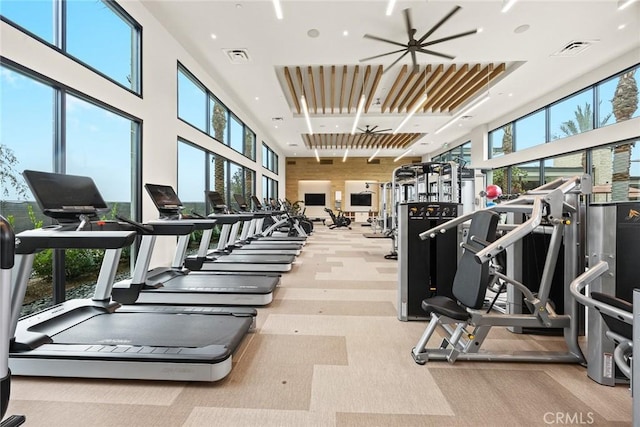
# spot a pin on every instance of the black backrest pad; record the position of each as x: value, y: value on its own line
x: 615, y: 325
x: 471, y: 279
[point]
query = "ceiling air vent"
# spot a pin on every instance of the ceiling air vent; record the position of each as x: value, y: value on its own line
x: 326, y: 161
x: 237, y: 56
x: 574, y: 47
x: 373, y: 162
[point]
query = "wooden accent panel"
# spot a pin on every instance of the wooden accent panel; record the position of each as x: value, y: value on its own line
x: 332, y: 141
x: 354, y: 169
x: 447, y: 88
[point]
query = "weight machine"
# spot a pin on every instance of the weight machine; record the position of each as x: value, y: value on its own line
x: 555, y: 205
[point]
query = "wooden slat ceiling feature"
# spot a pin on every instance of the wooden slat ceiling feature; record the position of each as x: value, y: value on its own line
x: 338, y: 91
x: 334, y: 141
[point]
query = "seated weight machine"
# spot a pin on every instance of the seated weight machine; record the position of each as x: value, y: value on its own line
x: 467, y: 319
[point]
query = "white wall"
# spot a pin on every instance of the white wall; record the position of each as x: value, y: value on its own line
x: 157, y: 108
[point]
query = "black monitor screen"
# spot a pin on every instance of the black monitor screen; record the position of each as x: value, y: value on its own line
x: 60, y: 193
x: 215, y: 198
x: 314, y: 199
x: 360, y: 199
x: 240, y: 200
x: 256, y: 202
x: 163, y: 196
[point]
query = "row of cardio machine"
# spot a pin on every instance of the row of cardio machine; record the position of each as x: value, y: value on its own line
x: 181, y: 322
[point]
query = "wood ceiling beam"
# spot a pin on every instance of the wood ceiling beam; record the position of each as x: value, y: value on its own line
x: 439, y: 86
x: 430, y: 81
x: 354, y: 81
x: 312, y: 89
x: 419, y: 84
x: 292, y: 89
x: 374, y: 86
x: 451, y: 83
x: 389, y: 97
x: 398, y: 97
x: 454, y: 90
x: 492, y: 75
x: 323, y: 98
x: 333, y: 87
x: 464, y: 92
x: 343, y: 88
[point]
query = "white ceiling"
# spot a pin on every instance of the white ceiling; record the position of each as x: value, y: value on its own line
x: 271, y: 43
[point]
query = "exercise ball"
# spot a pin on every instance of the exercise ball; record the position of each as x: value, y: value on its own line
x: 493, y: 192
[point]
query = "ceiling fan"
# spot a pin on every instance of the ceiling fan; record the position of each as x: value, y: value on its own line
x: 414, y: 46
x: 372, y: 131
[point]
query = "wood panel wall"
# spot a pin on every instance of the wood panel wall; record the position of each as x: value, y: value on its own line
x: 356, y: 168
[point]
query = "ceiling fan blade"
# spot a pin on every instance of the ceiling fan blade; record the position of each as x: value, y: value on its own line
x: 373, y: 128
x: 395, y: 62
x: 384, y: 54
x: 380, y: 39
x: 382, y: 131
x: 442, y: 21
x: 430, y: 52
x: 407, y: 22
x: 444, y: 39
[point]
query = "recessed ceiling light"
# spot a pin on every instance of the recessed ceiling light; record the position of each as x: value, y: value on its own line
x: 313, y: 33
x: 480, y: 29
x: 213, y: 36
x: 510, y: 94
x: 621, y: 26
x: 257, y: 98
x: 337, y: 126
x: 345, y: 33
x: 521, y: 29
x: 275, y: 126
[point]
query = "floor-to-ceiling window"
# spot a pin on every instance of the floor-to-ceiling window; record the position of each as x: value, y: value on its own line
x: 48, y: 127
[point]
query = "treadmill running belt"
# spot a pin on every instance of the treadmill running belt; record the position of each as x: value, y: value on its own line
x: 157, y: 330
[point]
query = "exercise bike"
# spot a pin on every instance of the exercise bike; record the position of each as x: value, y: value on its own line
x: 338, y: 220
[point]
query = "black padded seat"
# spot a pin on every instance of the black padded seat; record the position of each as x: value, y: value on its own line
x: 446, y: 307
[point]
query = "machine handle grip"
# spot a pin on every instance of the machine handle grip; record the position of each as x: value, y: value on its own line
x: 7, y: 244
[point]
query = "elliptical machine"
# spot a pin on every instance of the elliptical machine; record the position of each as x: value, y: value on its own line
x: 338, y: 220
x: 7, y: 254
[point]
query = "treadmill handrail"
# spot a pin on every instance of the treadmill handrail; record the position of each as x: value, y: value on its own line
x: 30, y: 241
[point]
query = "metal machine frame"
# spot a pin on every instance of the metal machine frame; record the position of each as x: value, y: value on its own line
x: 547, y: 204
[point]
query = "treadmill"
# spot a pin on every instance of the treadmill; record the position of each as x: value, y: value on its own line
x: 169, y: 207
x: 280, y: 218
x: 93, y: 338
x: 229, y: 239
x: 175, y: 285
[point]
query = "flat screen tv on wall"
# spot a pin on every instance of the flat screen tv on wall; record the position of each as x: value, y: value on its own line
x: 361, y: 199
x: 314, y: 199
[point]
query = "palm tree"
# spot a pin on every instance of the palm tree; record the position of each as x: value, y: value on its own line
x: 507, y: 138
x: 583, y: 121
x: 219, y: 123
x: 625, y: 103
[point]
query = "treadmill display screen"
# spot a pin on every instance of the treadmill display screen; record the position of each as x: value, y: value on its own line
x: 163, y: 196
x: 61, y: 195
x: 215, y: 198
